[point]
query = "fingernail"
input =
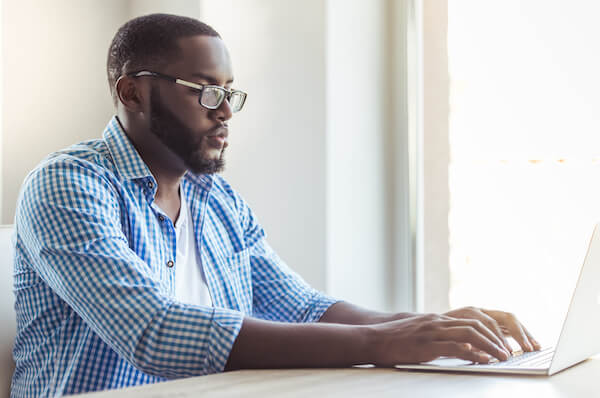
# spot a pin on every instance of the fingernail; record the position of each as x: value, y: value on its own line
x: 502, y: 349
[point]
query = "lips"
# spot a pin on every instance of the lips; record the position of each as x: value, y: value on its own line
x: 218, y: 139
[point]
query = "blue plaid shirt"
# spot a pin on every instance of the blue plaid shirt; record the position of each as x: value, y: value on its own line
x: 94, y: 274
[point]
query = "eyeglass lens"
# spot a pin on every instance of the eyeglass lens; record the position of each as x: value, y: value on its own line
x: 212, y: 97
x: 237, y: 101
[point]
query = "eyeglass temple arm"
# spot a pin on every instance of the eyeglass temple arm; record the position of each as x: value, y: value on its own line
x: 182, y: 82
x: 169, y: 78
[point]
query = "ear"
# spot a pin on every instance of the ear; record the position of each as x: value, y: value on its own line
x: 129, y: 94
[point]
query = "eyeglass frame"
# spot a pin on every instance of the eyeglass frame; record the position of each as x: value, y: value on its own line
x: 196, y: 86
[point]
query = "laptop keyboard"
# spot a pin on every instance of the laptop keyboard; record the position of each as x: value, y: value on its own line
x: 535, y: 359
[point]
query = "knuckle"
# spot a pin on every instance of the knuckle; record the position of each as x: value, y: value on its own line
x: 511, y: 316
x: 472, y: 309
x: 472, y: 323
x: 432, y: 317
x: 465, y: 331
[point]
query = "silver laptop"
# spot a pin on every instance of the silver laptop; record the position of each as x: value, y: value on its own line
x: 579, y: 337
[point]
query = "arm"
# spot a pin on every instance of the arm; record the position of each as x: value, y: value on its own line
x: 350, y: 314
x: 422, y: 338
x: 268, y: 344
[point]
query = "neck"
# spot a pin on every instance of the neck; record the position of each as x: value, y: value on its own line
x: 165, y: 166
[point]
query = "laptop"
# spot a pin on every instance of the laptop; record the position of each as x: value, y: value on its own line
x: 579, y: 338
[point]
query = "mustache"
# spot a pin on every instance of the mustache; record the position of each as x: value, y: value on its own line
x: 221, y: 130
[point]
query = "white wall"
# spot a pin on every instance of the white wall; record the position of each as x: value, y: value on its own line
x: 358, y: 93
x: 190, y: 8
x: 55, y: 90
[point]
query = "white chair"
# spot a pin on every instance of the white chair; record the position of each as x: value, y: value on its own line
x: 7, y: 310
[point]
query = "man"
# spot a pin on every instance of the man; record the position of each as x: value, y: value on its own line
x: 135, y: 262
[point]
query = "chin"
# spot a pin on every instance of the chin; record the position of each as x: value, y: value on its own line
x: 206, y: 165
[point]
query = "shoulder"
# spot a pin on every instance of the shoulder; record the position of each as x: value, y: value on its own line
x: 81, y: 166
x: 91, y: 154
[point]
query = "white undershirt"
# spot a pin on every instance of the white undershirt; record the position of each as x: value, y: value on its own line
x: 190, y: 281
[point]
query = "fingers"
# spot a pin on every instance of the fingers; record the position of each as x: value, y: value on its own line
x: 533, y: 342
x: 495, y: 327
x: 488, y: 321
x: 491, y: 339
x: 515, y: 329
x: 469, y: 334
x: 460, y: 350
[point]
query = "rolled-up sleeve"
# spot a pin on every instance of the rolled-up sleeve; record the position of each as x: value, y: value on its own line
x: 279, y: 293
x: 69, y: 224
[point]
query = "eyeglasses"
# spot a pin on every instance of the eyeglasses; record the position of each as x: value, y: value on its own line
x: 211, y: 96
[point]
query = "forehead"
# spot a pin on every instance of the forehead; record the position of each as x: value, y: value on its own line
x: 204, y: 55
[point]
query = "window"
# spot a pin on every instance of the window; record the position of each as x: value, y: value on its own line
x: 524, y: 136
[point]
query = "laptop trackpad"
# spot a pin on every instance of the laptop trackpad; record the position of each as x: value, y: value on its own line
x: 444, y: 361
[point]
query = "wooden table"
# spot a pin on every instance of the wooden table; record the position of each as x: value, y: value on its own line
x: 582, y: 380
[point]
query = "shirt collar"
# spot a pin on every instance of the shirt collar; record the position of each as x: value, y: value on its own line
x: 127, y: 160
x: 130, y: 164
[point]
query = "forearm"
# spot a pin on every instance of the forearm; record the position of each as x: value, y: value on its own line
x: 345, y: 313
x: 266, y: 344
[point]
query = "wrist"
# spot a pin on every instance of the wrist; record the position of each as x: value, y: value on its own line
x: 382, y: 318
x: 367, y: 344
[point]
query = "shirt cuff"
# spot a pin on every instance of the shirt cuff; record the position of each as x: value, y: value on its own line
x: 226, y: 325
x: 320, y: 304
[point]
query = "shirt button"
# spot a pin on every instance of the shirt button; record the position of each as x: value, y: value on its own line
x: 150, y: 184
x: 170, y: 263
x: 161, y: 218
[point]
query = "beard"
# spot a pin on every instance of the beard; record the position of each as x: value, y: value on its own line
x: 182, y: 141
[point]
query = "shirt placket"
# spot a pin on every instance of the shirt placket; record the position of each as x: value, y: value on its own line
x: 168, y: 237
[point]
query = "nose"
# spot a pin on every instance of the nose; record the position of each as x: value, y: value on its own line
x: 223, y: 112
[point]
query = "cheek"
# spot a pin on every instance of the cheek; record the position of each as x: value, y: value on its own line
x: 196, y: 117
x: 188, y: 108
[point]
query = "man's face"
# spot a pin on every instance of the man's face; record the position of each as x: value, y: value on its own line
x: 196, y: 135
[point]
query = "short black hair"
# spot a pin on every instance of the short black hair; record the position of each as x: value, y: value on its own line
x: 148, y: 42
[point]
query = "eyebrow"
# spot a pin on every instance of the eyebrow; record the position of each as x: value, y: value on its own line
x: 210, y: 79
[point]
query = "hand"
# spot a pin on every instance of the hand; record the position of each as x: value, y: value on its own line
x: 502, y: 324
x: 425, y: 337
